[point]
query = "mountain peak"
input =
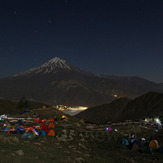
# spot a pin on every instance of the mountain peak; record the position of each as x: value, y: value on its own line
x: 51, y: 66
x: 56, y: 63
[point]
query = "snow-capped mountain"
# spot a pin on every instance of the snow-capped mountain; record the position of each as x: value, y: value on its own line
x: 58, y: 82
x: 52, y: 66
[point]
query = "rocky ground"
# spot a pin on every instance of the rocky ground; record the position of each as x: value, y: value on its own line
x: 76, y: 141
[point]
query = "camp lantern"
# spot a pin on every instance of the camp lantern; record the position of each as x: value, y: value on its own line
x: 157, y: 121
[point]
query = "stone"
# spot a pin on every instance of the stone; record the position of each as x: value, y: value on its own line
x: 15, y: 139
x: 20, y: 152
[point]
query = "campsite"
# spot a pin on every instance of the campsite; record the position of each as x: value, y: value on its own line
x: 73, y: 140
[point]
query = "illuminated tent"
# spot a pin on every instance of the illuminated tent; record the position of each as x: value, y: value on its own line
x: 51, y: 120
x: 51, y: 133
x: 19, y: 129
x: 64, y: 117
x: 11, y: 130
x: 44, y: 127
x: 7, y: 128
x: 36, y: 120
x: 44, y: 107
x: 42, y: 121
x: 153, y: 144
x: 32, y: 129
x: 51, y: 125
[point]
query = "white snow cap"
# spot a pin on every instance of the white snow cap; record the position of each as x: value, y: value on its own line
x: 50, y: 66
x: 57, y: 62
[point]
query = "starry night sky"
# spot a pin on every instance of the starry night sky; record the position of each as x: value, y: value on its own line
x: 111, y: 37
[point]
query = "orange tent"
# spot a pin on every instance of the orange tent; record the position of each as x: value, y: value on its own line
x: 154, y: 144
x: 22, y: 126
x: 11, y: 130
x: 51, y: 120
x: 36, y: 120
x: 51, y: 125
x: 51, y: 133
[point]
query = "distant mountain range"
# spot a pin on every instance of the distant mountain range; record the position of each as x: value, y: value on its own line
x: 58, y: 82
x: 148, y: 105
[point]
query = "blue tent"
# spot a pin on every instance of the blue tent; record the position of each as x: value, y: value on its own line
x: 43, y: 132
x: 6, y: 129
x: 161, y: 149
x: 132, y: 140
x: 19, y: 128
x: 125, y: 142
x: 159, y: 128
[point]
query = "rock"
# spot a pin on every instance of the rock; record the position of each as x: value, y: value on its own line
x: 90, y: 127
x: 37, y: 143
x: 64, y: 131
x: 61, y: 139
x: 82, y: 146
x: 20, y: 152
x: 15, y: 139
x: 13, y: 154
x: 79, y: 160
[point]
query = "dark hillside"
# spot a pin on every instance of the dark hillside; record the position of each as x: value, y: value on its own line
x: 104, y: 113
x: 10, y: 107
x: 148, y: 105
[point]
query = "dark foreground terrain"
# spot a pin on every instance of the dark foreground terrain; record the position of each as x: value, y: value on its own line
x: 76, y: 141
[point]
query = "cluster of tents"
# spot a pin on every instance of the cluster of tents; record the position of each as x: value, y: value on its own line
x: 39, y: 127
x: 142, y: 145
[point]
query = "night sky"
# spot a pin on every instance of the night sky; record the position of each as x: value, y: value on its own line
x: 111, y: 37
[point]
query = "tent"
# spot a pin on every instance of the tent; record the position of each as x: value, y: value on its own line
x: 153, y: 144
x: 32, y: 129
x: 26, y: 127
x: 159, y: 127
x: 36, y: 120
x: 42, y: 132
x: 132, y: 140
x: 64, y: 117
x: 42, y: 121
x: 45, y: 106
x: 51, y: 133
x: 11, y: 130
x: 136, y: 145
x: 109, y: 129
x: 44, y: 127
x: 19, y: 122
x: 51, y: 125
x: 7, y: 128
x: 51, y: 120
x: 125, y: 142
x: 28, y: 135
x: 161, y: 149
x: 20, y: 128
x: 147, y: 150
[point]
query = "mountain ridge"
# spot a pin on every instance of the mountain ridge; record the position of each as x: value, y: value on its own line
x: 58, y: 82
x: 147, y: 105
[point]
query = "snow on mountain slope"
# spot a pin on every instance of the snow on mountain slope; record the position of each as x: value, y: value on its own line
x: 52, y: 66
